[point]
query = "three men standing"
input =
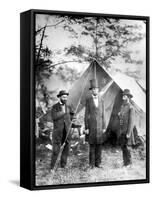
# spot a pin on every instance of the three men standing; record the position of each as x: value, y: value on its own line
x: 95, y: 124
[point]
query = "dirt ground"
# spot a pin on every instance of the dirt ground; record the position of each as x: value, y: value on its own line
x: 78, y: 171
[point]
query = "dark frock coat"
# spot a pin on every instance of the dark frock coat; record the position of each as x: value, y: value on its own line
x: 95, y: 120
x: 61, y: 120
x: 126, y: 117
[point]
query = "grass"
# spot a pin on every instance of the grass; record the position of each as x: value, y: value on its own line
x: 78, y: 171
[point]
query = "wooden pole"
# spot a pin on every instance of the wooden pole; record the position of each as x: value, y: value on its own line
x: 96, y: 42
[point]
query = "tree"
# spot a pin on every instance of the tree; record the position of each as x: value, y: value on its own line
x: 68, y: 74
x: 110, y: 39
x: 44, y: 65
x: 43, y: 57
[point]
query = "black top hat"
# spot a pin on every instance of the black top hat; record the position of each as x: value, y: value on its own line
x: 93, y: 84
x: 127, y: 92
x: 62, y: 92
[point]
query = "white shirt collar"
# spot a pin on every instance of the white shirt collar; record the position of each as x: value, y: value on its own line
x: 95, y: 97
x: 61, y: 103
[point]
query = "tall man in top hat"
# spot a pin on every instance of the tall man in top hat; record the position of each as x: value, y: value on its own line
x: 95, y: 124
x: 126, y: 118
x: 62, y: 115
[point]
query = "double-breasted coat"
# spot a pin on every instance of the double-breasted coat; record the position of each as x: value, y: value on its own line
x: 95, y: 120
x: 61, y: 120
x: 127, y: 118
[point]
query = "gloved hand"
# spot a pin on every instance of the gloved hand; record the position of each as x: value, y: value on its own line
x: 127, y: 135
x: 86, y: 131
x: 104, y: 130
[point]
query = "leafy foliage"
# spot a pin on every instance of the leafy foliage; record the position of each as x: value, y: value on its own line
x: 68, y: 74
x: 110, y: 39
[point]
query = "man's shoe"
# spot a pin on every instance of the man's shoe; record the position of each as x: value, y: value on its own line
x: 99, y: 166
x: 63, y: 166
x: 127, y: 166
x: 51, y: 170
x: 91, y: 166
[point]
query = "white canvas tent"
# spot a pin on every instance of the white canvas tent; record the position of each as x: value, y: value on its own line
x: 111, y: 88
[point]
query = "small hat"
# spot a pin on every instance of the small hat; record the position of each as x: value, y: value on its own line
x: 127, y: 92
x: 62, y: 92
x: 93, y: 84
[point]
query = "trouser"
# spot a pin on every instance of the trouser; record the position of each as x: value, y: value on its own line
x: 95, y: 155
x: 125, y: 150
x: 113, y: 138
x: 56, y: 151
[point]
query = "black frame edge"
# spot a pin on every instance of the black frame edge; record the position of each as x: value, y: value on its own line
x: 62, y: 12
x: 148, y: 99
x: 25, y: 96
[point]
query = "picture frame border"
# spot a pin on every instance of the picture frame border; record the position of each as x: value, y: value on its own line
x: 27, y: 99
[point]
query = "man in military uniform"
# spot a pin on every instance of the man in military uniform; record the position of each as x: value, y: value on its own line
x: 126, y: 118
x: 62, y: 115
x: 94, y: 124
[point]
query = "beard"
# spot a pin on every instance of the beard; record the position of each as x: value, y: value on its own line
x: 63, y: 101
x: 125, y: 101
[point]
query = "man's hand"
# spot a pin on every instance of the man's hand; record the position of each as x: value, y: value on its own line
x: 86, y: 131
x: 104, y: 130
x: 128, y: 136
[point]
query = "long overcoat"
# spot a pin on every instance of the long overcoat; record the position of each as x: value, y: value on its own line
x: 60, y: 120
x: 127, y: 118
x: 95, y: 120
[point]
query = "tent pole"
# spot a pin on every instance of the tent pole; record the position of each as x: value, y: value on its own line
x: 96, y: 49
x: 95, y: 74
x: 96, y: 38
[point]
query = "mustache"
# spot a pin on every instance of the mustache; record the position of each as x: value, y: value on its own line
x: 124, y: 100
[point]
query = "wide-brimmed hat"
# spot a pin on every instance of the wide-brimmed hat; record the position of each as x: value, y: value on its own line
x: 62, y: 92
x: 93, y: 84
x: 128, y: 93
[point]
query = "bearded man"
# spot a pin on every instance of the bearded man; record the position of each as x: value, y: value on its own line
x: 126, y: 136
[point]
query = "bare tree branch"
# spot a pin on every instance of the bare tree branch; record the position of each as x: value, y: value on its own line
x: 47, y: 26
x: 41, y: 44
